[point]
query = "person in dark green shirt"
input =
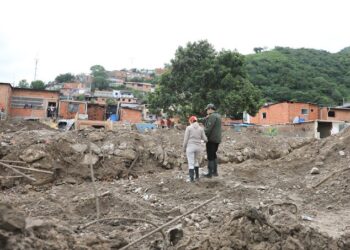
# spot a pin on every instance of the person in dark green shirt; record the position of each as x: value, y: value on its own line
x: 212, y: 130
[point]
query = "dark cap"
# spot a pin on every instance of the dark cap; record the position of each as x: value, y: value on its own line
x: 210, y: 106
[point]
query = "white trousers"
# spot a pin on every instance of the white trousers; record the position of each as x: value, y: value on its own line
x: 193, y: 155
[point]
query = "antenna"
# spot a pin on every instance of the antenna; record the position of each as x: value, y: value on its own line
x: 36, y: 67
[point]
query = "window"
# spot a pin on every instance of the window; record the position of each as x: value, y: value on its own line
x: 27, y: 102
x: 331, y: 113
x: 73, y: 107
x: 264, y: 115
x: 304, y: 111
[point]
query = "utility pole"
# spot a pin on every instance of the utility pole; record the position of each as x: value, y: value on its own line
x: 36, y: 67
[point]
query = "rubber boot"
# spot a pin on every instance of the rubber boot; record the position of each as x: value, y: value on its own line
x: 215, y: 168
x: 191, y: 173
x: 196, y: 171
x: 210, y: 169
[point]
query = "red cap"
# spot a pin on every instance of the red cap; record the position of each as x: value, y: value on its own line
x: 192, y: 119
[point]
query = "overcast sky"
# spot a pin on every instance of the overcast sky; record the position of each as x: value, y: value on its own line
x: 72, y: 35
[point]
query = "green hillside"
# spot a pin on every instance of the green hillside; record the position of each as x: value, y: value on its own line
x: 306, y: 75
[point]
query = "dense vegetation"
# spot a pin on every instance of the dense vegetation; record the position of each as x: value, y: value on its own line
x: 305, y: 75
x: 199, y: 75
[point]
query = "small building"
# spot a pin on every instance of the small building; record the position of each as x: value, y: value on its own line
x: 26, y: 103
x: 311, y: 129
x: 73, y: 89
x: 285, y: 112
x: 5, y: 98
x: 141, y: 86
x: 335, y: 114
x: 68, y: 109
x: 96, y: 112
x: 130, y: 115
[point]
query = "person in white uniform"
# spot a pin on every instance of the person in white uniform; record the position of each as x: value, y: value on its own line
x: 194, y: 136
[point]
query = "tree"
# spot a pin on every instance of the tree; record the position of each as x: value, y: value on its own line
x: 38, y: 84
x: 100, y: 77
x: 23, y: 84
x: 305, y: 75
x: 258, y: 50
x: 199, y: 75
x: 67, y: 77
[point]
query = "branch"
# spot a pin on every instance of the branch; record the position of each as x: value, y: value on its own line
x: 16, y: 171
x: 123, y: 218
x: 329, y: 176
x: 168, y: 223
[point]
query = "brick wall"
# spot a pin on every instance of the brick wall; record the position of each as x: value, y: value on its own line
x: 67, y: 109
x: 285, y: 112
x: 5, y: 97
x: 96, y: 112
x: 131, y: 115
x: 26, y: 112
x: 305, y: 130
x: 339, y: 114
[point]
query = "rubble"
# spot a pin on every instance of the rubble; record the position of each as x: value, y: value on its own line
x: 268, y: 188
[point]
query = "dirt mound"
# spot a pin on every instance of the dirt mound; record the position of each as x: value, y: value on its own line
x: 252, y: 229
x: 8, y: 126
x: 118, y: 154
x: 268, y: 196
x: 122, y: 153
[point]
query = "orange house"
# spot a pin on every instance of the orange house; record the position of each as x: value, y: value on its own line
x: 131, y: 115
x: 335, y: 114
x: 5, y: 97
x: 26, y: 103
x: 285, y: 112
x: 68, y: 109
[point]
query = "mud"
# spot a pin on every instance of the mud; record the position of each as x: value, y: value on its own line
x: 267, y: 197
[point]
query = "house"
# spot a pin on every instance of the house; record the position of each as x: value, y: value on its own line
x: 5, y: 98
x: 141, y: 86
x: 71, y: 89
x: 68, y: 109
x: 130, y: 115
x: 335, y: 114
x: 96, y: 112
x: 302, y: 119
x: 285, y: 112
x: 26, y: 103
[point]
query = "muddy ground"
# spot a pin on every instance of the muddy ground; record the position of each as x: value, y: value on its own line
x: 267, y: 197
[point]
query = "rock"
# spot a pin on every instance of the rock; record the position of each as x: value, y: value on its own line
x: 79, y: 148
x: 96, y: 136
x: 205, y: 223
x: 123, y: 146
x: 195, y: 217
x: 319, y: 163
x: 189, y: 222
x: 89, y: 159
x: 314, y: 170
x: 34, y: 223
x: 30, y: 155
x: 118, y: 240
x: 70, y: 180
x: 246, y: 151
x: 10, y: 219
x: 108, y: 148
x: 240, y: 158
x: 175, y: 234
x: 95, y: 149
x: 128, y: 153
x: 223, y: 159
x: 341, y: 153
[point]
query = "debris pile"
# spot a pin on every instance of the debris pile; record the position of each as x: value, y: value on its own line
x: 273, y: 192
